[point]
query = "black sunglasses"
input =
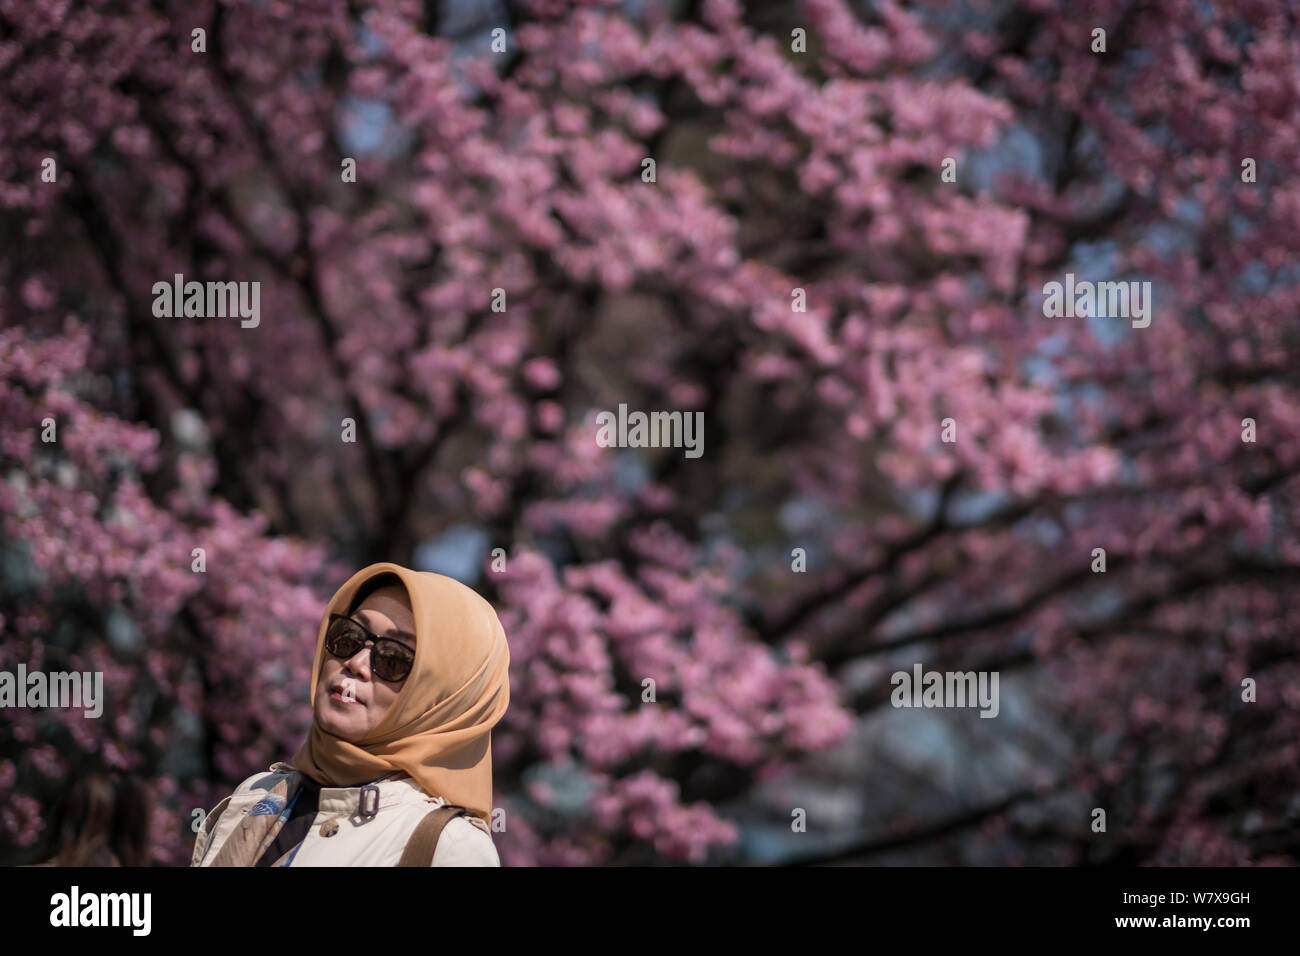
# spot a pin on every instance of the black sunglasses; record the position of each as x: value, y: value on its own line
x: 392, y: 660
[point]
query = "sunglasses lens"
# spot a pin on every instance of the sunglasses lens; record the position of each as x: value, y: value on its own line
x: 392, y: 660
x: 344, y: 638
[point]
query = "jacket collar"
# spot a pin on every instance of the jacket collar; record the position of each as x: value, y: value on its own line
x: 392, y: 791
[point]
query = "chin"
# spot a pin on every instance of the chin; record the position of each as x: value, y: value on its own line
x: 347, y: 730
x: 342, y: 732
x: 331, y: 724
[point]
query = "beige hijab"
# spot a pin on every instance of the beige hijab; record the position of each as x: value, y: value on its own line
x: 439, y: 728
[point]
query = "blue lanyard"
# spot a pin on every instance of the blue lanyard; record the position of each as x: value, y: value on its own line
x: 289, y: 809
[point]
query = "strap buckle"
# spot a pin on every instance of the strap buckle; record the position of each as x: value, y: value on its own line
x: 367, y: 814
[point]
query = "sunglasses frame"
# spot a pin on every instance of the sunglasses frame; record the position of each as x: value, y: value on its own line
x: 374, y: 642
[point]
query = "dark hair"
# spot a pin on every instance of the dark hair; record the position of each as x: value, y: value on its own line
x: 130, y: 838
x: 101, y: 820
x: 387, y: 579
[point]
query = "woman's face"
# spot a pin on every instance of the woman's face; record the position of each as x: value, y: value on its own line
x: 386, y: 613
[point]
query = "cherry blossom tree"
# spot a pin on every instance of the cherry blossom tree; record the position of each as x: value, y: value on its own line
x: 463, y: 256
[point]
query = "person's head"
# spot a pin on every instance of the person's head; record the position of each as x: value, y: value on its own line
x: 102, y: 820
x: 426, y: 704
x: 351, y: 698
x: 81, y: 823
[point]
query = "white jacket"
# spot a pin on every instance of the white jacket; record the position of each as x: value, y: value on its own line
x: 339, y: 836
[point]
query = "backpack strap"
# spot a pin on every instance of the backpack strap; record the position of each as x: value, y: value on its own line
x: 424, y: 839
x: 206, y: 830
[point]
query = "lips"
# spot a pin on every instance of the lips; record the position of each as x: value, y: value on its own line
x: 336, y: 692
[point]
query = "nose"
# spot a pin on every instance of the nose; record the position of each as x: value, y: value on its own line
x: 359, y: 663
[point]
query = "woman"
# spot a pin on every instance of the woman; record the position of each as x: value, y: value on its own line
x: 409, y: 679
x: 102, y: 820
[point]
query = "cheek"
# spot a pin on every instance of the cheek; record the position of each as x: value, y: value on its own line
x: 328, y: 670
x: 383, y: 696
